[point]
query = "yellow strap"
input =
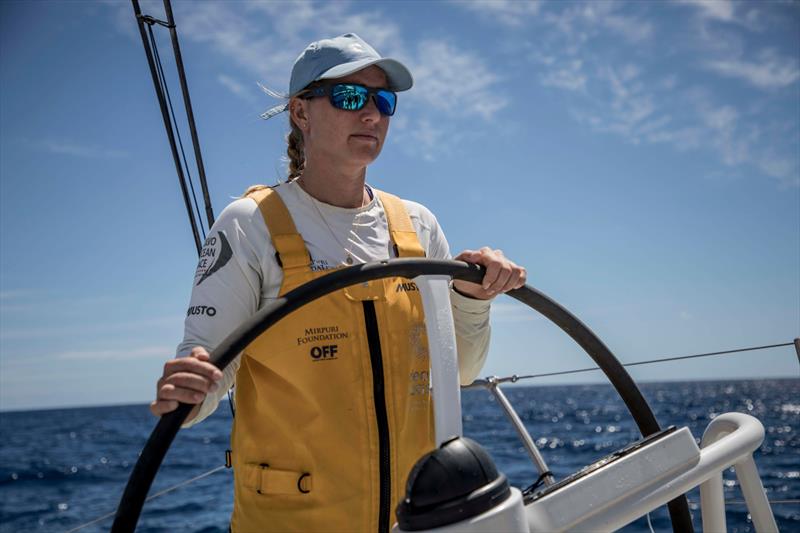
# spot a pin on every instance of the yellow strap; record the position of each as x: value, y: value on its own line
x: 288, y: 243
x: 400, y: 228
x: 265, y: 480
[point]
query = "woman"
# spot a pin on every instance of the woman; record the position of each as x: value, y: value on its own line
x: 333, y: 404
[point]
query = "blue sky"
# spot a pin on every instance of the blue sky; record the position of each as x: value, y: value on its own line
x: 641, y: 159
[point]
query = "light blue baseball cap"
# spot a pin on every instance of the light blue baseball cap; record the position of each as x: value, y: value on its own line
x: 337, y: 57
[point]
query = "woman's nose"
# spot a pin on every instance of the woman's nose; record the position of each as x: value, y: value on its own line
x: 370, y: 111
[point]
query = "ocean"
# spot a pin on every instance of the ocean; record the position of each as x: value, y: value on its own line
x: 62, y: 468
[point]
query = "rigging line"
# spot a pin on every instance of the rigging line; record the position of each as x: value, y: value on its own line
x: 162, y: 106
x: 154, y: 496
x: 650, y: 361
x: 187, y: 102
x: 165, y: 88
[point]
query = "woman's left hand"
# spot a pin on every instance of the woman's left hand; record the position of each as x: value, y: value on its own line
x: 501, y: 276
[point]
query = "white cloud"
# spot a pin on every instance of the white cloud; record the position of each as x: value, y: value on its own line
x: 235, y: 87
x: 669, y: 82
x: 622, y: 92
x: 303, y: 21
x: 508, y: 12
x: 582, y: 21
x: 88, y: 329
x: 47, y: 303
x: 777, y: 167
x: 633, y: 29
x: 567, y: 75
x: 265, y: 38
x: 682, y: 138
x: 427, y: 140
x: 66, y: 147
x: 769, y: 71
x: 630, y: 103
x: 20, y: 294
x: 455, y: 81
x: 725, y: 138
x: 116, y: 354
x: 722, y: 10
x: 236, y: 37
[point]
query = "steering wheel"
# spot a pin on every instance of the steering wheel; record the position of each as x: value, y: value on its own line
x: 161, y: 438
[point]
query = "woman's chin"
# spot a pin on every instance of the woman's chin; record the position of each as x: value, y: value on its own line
x: 364, y: 153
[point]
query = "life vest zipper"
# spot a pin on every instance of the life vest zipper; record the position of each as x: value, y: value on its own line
x: 376, y: 359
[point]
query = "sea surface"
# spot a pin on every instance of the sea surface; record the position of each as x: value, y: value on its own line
x: 60, y: 469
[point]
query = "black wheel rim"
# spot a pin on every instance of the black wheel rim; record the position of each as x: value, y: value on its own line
x: 161, y: 438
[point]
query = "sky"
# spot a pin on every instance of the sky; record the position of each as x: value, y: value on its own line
x: 640, y: 159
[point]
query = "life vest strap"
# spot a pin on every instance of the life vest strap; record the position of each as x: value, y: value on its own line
x: 406, y: 243
x: 265, y: 480
x: 289, y: 245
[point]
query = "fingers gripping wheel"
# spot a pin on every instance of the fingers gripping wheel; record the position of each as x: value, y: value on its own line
x: 162, y: 436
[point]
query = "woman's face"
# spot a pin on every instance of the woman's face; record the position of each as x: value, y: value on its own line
x: 346, y: 140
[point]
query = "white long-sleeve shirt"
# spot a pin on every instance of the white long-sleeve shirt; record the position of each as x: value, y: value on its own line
x: 238, y: 274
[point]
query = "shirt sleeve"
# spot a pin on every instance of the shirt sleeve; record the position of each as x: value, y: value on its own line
x: 227, y: 288
x: 470, y: 315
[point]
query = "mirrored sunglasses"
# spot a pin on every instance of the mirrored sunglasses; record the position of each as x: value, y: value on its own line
x: 353, y: 97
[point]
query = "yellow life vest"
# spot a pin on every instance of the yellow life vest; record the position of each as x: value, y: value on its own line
x: 333, y: 402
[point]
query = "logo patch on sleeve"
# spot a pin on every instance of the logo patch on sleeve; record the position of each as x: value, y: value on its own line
x: 215, y: 254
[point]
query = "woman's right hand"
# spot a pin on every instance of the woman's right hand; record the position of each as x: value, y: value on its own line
x: 186, y: 380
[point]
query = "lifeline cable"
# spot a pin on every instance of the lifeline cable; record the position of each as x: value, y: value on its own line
x: 647, y: 362
x: 154, y: 496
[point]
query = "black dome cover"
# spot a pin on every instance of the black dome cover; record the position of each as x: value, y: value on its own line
x: 457, y: 481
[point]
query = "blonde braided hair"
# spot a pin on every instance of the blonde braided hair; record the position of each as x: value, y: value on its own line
x: 295, y: 152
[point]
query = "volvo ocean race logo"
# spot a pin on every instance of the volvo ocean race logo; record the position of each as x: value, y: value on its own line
x: 215, y: 254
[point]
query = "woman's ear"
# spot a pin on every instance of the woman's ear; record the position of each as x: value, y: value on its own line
x: 299, y: 113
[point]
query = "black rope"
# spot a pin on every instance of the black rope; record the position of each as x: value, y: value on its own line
x: 650, y: 361
x: 163, y: 81
x: 536, y: 484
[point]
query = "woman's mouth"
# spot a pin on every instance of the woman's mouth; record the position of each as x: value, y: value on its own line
x: 365, y: 136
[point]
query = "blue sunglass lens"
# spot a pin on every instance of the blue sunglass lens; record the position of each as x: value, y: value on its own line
x: 349, y: 97
x: 386, y: 102
x: 354, y: 97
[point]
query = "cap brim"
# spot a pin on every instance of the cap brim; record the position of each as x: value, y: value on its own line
x: 397, y: 74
